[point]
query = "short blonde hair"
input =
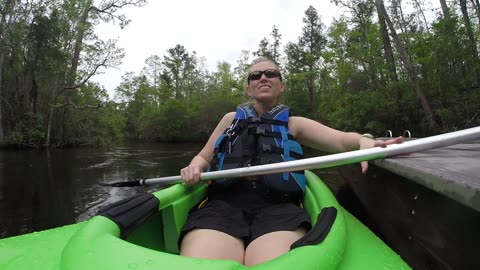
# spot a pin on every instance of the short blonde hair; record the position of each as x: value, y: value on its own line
x: 263, y: 59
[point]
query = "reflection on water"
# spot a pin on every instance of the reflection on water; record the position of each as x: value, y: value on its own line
x: 46, y: 189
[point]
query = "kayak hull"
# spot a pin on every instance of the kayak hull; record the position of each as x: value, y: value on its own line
x: 96, y: 244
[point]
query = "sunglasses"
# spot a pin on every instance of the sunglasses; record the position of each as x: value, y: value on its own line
x: 269, y: 73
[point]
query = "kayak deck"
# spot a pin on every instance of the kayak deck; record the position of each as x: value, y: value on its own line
x: 426, y: 205
x: 452, y: 171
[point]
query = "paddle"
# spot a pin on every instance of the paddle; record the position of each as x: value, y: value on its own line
x: 407, y: 147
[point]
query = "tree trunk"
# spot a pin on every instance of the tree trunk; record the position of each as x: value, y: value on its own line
x: 411, y: 70
x: 81, y: 27
x: 423, y: 15
x: 390, y: 60
x: 1, y: 101
x: 4, y: 41
x: 311, y: 93
x: 311, y: 88
x: 400, y: 17
x: 51, y: 113
x: 471, y: 38
x: 49, y: 126
x: 476, y: 5
x: 33, y: 95
x: 387, y: 45
x: 72, y: 73
x: 445, y: 10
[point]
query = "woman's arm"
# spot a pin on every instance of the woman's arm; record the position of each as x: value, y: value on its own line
x: 191, y: 173
x: 321, y: 137
x: 313, y: 134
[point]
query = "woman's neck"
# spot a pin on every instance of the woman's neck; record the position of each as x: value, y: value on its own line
x: 262, y: 108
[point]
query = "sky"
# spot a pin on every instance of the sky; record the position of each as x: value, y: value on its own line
x: 216, y: 29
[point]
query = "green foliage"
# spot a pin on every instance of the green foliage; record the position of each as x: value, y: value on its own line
x: 93, y: 125
x: 49, y: 52
x: 29, y: 132
x: 371, y: 111
x: 338, y: 76
x: 185, y: 119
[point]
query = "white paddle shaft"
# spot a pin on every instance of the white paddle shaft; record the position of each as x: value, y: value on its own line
x: 333, y: 160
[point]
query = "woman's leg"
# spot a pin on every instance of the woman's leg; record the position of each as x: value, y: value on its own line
x: 271, y: 245
x: 212, y: 244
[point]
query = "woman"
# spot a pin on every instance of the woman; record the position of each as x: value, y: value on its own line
x: 256, y: 219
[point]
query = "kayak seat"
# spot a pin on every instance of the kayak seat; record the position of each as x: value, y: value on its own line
x: 131, y: 212
x: 320, y: 230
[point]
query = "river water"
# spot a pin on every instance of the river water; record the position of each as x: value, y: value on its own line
x: 50, y: 188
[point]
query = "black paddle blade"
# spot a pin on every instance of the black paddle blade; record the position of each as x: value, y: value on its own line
x: 135, y: 183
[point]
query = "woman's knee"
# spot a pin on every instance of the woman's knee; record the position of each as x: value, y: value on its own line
x: 212, y: 244
x: 271, y: 245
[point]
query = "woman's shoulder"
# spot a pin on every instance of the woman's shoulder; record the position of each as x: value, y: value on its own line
x: 229, y: 115
x: 294, y: 124
x: 296, y: 120
x: 298, y: 124
x: 228, y: 118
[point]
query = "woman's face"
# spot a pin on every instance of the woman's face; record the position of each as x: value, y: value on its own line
x: 263, y: 88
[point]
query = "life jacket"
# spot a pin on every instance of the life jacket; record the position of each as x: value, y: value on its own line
x: 252, y: 140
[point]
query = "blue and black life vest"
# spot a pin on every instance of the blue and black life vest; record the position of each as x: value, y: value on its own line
x: 252, y: 140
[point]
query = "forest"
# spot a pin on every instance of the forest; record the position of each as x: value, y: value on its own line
x: 383, y: 65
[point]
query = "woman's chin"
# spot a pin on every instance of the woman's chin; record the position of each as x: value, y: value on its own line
x: 265, y: 97
x: 266, y: 101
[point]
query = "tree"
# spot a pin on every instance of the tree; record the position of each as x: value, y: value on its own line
x: 104, y: 54
x: 312, y: 42
x: 152, y: 71
x: 411, y: 71
x: 241, y: 69
x: 263, y: 49
x: 6, y: 18
x: 270, y: 49
x: 387, y: 46
x: 134, y: 96
x: 48, y: 52
x: 419, y: 7
x: 363, y: 44
x: 224, y: 93
x: 445, y: 10
x: 476, y: 6
x: 180, y: 71
x: 275, y: 47
x: 472, y: 44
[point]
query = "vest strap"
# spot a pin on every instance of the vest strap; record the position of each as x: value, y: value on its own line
x: 252, y: 139
x: 263, y: 132
x: 278, y: 150
x: 261, y: 120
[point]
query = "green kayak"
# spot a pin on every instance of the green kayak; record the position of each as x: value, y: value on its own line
x: 143, y: 232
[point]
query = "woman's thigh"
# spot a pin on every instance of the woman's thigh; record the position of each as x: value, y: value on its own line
x: 271, y: 245
x: 212, y: 244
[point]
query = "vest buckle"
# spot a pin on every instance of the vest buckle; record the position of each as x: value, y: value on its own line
x: 266, y: 147
x: 260, y: 131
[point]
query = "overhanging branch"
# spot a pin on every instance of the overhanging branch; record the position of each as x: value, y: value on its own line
x: 86, y: 78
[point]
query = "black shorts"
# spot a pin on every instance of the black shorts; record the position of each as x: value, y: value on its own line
x: 248, y: 222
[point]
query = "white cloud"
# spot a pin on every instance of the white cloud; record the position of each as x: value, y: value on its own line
x: 216, y: 29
